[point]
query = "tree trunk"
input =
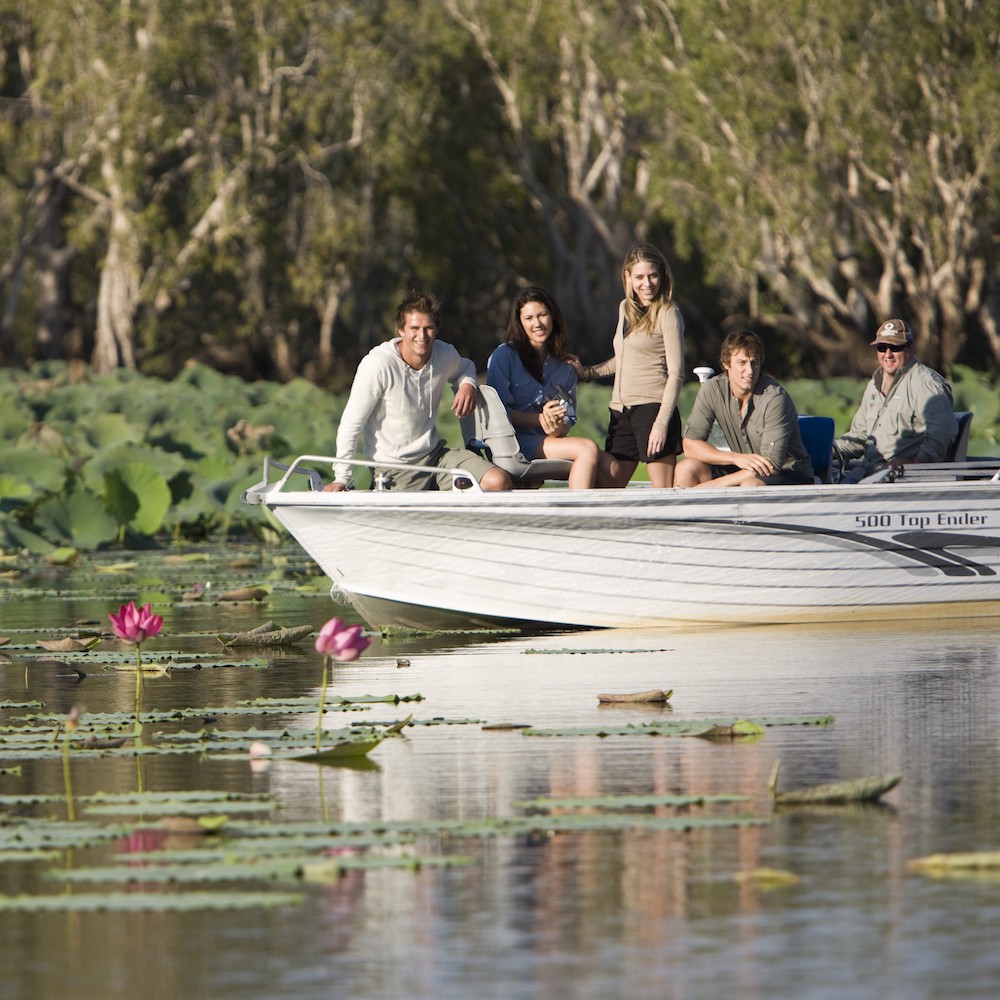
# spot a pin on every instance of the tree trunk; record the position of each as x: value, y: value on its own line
x: 117, y: 297
x: 52, y: 262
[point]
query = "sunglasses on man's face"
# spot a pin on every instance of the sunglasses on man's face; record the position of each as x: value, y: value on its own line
x: 893, y: 348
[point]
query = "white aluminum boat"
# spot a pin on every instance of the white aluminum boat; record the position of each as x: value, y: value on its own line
x: 926, y: 545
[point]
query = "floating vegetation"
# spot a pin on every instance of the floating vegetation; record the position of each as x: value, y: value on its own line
x: 155, y: 662
x: 67, y: 645
x: 185, y: 850
x: 155, y: 902
x: 982, y: 865
x: 245, y: 594
x: 867, y: 789
x: 767, y: 878
x: 267, y: 634
x: 743, y: 730
x: 252, y: 869
x: 504, y: 826
x: 342, y: 750
x: 686, y: 727
x: 626, y: 801
x: 590, y: 652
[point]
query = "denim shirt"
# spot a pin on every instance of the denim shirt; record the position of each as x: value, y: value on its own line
x: 521, y: 391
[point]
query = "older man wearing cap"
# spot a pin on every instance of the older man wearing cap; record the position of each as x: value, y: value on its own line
x: 906, y: 414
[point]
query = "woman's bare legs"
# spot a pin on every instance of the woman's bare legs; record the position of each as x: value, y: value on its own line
x: 661, y: 471
x: 621, y: 472
x: 582, y: 452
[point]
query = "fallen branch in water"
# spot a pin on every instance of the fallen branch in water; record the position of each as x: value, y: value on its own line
x: 267, y: 634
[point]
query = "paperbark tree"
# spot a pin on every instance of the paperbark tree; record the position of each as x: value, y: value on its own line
x: 848, y: 159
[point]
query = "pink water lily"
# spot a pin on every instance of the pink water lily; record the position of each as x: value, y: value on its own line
x: 340, y: 641
x: 136, y: 624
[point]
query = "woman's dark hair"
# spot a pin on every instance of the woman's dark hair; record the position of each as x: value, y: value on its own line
x: 518, y: 339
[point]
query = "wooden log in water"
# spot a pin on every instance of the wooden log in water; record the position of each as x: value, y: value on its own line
x: 639, y: 697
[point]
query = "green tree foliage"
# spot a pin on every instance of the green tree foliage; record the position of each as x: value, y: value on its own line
x: 254, y: 185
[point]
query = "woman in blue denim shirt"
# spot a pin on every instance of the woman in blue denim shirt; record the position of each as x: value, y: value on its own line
x: 538, y: 387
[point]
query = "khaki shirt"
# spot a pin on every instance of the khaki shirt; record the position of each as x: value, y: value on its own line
x: 770, y: 427
x: 914, y: 421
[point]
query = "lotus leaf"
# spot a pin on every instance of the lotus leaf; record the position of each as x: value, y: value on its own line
x: 98, y: 465
x: 682, y: 727
x: 626, y: 801
x: 103, y: 430
x: 15, y: 418
x: 38, y: 469
x: 134, y: 902
x: 76, y: 516
x: 177, y: 807
x: 14, y: 488
x: 15, y: 535
x: 137, y: 495
x: 63, y: 555
x: 500, y: 826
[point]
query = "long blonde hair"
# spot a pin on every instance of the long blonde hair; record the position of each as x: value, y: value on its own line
x: 638, y: 318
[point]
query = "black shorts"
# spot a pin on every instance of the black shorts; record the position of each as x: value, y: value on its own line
x: 628, y: 433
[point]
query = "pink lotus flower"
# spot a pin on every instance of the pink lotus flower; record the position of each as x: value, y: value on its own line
x: 340, y: 641
x: 136, y: 624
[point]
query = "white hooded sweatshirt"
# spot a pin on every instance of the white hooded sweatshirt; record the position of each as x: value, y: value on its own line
x: 395, y: 406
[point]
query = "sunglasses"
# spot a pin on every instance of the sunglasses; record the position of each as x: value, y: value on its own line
x: 892, y: 348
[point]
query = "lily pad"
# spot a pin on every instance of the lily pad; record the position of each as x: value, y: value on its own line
x: 766, y: 878
x: 958, y: 862
x: 340, y: 751
x: 67, y: 645
x: 147, y: 902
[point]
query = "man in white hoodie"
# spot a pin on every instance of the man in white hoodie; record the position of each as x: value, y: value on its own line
x: 394, y: 402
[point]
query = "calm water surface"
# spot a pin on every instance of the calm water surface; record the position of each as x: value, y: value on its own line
x: 595, y: 914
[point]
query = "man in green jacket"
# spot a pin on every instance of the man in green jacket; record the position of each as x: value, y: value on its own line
x: 906, y: 413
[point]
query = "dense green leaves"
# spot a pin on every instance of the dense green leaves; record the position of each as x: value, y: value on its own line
x: 171, y: 459
x: 254, y: 189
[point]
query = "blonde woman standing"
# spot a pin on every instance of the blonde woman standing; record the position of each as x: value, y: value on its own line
x: 648, y: 366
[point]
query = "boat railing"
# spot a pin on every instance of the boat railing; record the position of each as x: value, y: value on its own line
x: 258, y: 493
x: 982, y: 469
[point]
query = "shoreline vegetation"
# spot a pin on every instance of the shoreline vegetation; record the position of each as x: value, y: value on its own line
x: 122, y: 460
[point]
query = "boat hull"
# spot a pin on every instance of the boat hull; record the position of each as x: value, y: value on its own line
x: 641, y: 558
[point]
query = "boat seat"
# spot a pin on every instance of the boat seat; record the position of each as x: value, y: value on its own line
x: 960, y: 446
x: 817, y: 436
x: 489, y: 432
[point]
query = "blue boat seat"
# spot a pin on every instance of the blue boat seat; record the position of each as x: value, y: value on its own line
x: 489, y: 432
x: 817, y: 436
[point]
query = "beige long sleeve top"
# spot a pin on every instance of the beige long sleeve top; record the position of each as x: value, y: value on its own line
x: 648, y: 367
